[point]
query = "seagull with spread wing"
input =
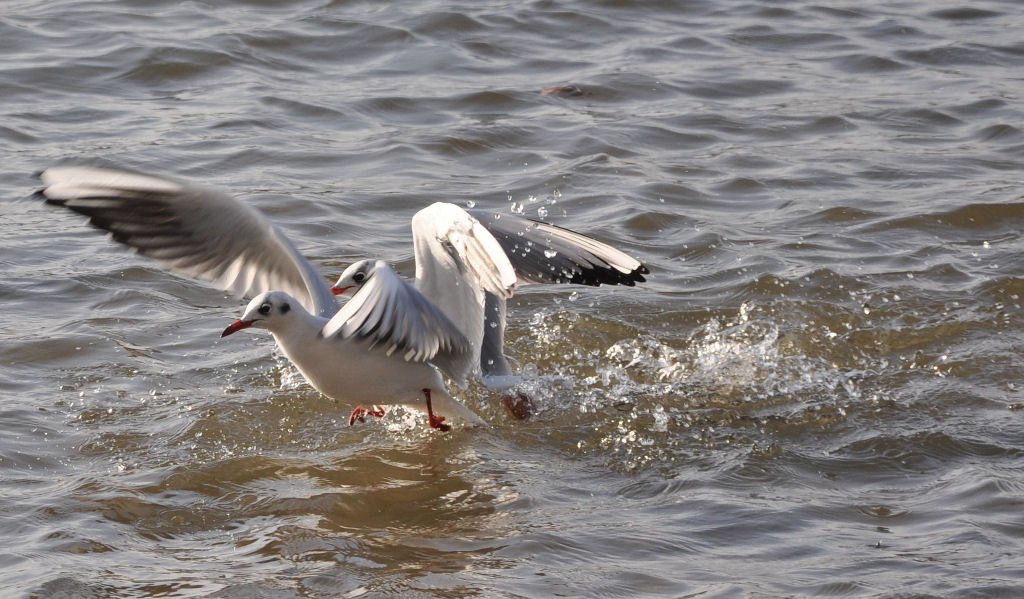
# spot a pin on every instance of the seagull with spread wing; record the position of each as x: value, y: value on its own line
x: 393, y: 341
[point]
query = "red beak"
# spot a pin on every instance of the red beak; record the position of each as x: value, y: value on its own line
x: 236, y: 326
x: 339, y: 290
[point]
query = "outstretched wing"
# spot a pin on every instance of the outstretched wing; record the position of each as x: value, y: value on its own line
x: 390, y: 313
x: 543, y: 253
x: 468, y: 263
x: 191, y: 230
x: 458, y: 265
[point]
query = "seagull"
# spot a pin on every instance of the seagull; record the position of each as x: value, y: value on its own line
x: 392, y: 341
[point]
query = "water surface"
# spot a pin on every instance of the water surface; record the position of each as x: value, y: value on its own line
x: 817, y: 393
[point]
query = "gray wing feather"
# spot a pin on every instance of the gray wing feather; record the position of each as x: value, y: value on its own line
x: 390, y: 313
x: 544, y: 253
x: 191, y: 230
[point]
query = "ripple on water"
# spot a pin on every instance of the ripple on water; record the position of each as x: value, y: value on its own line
x: 868, y: 63
x: 817, y: 391
x: 965, y: 13
x: 768, y: 38
x: 959, y: 55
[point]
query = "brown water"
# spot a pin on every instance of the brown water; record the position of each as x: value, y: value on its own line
x: 816, y: 394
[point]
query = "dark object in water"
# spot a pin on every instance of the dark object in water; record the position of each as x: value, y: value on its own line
x: 519, y: 405
x: 563, y: 91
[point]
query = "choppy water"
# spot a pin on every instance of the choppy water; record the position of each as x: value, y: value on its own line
x: 817, y: 393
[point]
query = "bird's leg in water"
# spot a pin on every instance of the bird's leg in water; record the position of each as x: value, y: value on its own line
x: 435, y: 421
x: 360, y: 414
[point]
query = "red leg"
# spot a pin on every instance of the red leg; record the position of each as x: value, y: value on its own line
x: 435, y: 421
x: 360, y: 414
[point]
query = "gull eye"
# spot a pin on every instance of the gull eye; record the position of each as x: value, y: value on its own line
x: 359, y: 277
x: 264, y: 309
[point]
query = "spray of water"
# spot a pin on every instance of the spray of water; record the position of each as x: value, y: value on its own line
x: 638, y: 400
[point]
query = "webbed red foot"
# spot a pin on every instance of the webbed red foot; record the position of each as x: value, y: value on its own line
x: 435, y: 421
x: 360, y: 414
x: 438, y: 423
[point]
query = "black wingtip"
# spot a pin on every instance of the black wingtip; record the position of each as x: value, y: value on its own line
x: 637, y: 275
x: 40, y: 194
x: 595, y: 276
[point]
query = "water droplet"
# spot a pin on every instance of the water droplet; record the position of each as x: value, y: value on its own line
x: 550, y: 253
